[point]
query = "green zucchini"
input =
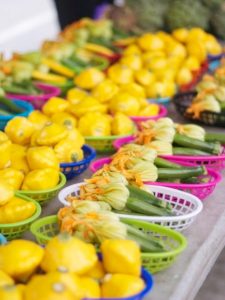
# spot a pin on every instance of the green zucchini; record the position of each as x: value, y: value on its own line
x: 185, y: 141
x: 4, y: 113
x: 164, y: 173
x: 146, y: 242
x: 188, y: 151
x: 215, y: 137
x: 139, y: 206
x: 16, y: 89
x: 142, y: 195
x: 73, y: 65
x: 10, y: 106
x: 164, y: 163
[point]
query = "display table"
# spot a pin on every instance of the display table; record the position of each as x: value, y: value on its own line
x: 206, y: 239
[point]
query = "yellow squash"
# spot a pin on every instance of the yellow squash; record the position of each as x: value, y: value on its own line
x: 55, y: 105
x: 19, y: 130
x: 97, y: 272
x: 42, y: 157
x: 5, y: 279
x: 89, y: 78
x: 125, y: 103
x: 41, y: 179
x: 122, y: 125
x: 42, y: 287
x: 105, y: 90
x: 19, y: 158
x: 16, y: 210
x: 6, y: 192
x: 51, y: 135
x: 121, y: 285
x: 94, y: 124
x: 68, y: 151
x: 20, y: 258
x: 88, y: 104
x: 10, y: 292
x: 61, y: 250
x: 5, y: 155
x: 120, y: 74
x: 65, y: 119
x: 74, y: 135
x: 13, y: 177
x: 75, y: 95
x: 121, y: 256
x: 38, y: 119
x: 90, y: 288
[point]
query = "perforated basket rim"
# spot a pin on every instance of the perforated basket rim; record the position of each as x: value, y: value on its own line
x: 61, y: 183
x: 153, y: 227
x: 154, y: 188
x: 28, y: 220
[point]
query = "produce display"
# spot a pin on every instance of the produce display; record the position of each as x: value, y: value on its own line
x: 62, y: 276
x: 210, y: 94
x: 99, y: 87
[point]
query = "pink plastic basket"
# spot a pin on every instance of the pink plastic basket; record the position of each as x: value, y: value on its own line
x: 162, y: 113
x: 201, y: 190
x: 215, y: 162
x: 38, y: 100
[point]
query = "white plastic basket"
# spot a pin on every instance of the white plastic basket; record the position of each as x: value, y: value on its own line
x: 186, y: 207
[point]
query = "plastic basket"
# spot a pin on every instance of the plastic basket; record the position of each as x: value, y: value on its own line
x: 44, y: 229
x: 2, y: 240
x: 28, y: 108
x: 102, y: 144
x: 183, y: 100
x: 71, y: 170
x: 45, y: 196
x: 162, y: 113
x: 215, y: 162
x: 15, y: 230
x: 186, y: 207
x: 38, y: 100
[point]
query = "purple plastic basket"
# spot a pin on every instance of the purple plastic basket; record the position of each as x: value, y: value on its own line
x: 38, y: 100
x: 215, y: 162
x: 201, y: 190
x: 162, y: 113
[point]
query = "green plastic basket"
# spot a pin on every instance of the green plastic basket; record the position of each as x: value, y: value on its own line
x: 46, y: 228
x: 102, y: 144
x: 44, y: 196
x: 15, y: 230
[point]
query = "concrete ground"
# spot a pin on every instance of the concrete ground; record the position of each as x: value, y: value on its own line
x: 214, y: 287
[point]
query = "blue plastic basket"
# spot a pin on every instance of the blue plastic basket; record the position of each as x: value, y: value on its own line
x: 71, y: 170
x: 2, y: 240
x: 28, y: 108
x: 163, y: 101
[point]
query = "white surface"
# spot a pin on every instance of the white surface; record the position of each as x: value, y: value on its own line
x: 24, y: 24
